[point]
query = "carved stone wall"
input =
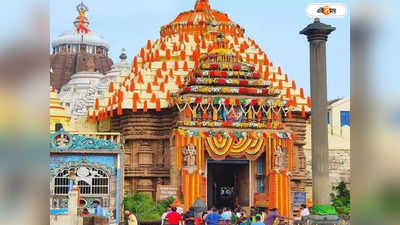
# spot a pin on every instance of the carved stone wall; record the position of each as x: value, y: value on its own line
x: 297, y: 125
x: 147, y: 148
x: 64, y: 65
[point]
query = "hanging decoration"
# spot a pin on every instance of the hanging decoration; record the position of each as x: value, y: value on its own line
x: 229, y: 81
x: 220, y: 147
x: 279, y: 192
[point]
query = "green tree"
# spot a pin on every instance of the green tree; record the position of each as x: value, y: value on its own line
x: 340, y: 199
x: 143, y: 206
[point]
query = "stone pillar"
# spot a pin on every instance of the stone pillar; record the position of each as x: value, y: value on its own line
x: 73, y: 206
x: 317, y: 34
x: 174, y: 172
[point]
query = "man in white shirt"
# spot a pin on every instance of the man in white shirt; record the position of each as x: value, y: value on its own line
x: 304, y: 211
x: 164, y: 215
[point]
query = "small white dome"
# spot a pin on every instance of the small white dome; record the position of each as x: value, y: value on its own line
x: 122, y: 66
x: 73, y: 37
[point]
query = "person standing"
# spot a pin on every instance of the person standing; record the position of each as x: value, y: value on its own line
x: 234, y: 218
x: 258, y: 221
x: 304, y: 211
x: 132, y: 220
x: 225, y: 214
x: 271, y: 217
x: 98, y: 210
x: 213, y: 218
x: 189, y: 217
x: 164, y: 215
x: 85, y: 212
x: 174, y: 218
x: 244, y: 219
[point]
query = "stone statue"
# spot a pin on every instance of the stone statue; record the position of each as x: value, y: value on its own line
x: 189, y: 155
x: 278, y: 162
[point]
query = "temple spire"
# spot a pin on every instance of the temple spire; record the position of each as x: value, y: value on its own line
x: 202, y: 5
x: 81, y: 22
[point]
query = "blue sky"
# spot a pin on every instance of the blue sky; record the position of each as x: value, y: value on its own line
x: 274, y: 25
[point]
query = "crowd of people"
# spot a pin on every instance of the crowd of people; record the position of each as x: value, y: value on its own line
x: 214, y: 216
x: 226, y: 216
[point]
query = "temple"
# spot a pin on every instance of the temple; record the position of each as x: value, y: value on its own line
x: 206, y: 111
x: 201, y: 110
x: 73, y: 49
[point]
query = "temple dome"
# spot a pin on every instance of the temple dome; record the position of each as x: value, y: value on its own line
x: 74, y: 37
x: 73, y: 49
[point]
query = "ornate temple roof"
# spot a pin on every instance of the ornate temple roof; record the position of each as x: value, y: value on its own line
x: 81, y: 34
x: 73, y: 37
x: 84, y: 87
x: 73, y: 49
x: 197, y: 20
x: 163, y: 66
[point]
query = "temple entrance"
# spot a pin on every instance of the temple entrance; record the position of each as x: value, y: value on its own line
x: 227, y: 183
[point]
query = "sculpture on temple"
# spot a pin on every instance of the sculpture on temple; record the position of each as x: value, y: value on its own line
x: 62, y: 140
x: 189, y: 157
x: 279, y: 158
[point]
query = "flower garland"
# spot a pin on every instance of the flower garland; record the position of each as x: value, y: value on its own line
x: 237, y: 134
x: 229, y: 101
x: 231, y: 90
x: 217, y: 73
x: 225, y: 65
x: 210, y: 124
x: 279, y: 192
x: 270, y: 111
x: 221, y: 147
x: 223, y: 81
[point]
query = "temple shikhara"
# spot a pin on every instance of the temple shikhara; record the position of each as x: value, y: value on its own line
x: 73, y: 49
x: 204, y: 110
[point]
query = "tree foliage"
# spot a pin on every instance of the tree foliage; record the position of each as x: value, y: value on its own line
x: 143, y: 206
x: 340, y: 199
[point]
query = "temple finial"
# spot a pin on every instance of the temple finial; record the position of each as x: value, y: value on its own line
x: 81, y: 22
x: 123, y: 55
x: 202, y: 5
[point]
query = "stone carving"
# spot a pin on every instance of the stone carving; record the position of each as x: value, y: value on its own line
x: 189, y: 155
x: 58, y: 141
x: 279, y: 158
x: 62, y: 140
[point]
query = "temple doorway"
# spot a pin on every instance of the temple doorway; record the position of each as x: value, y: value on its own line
x: 227, y: 183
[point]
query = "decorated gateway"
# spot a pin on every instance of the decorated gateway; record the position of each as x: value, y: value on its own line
x: 206, y: 112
